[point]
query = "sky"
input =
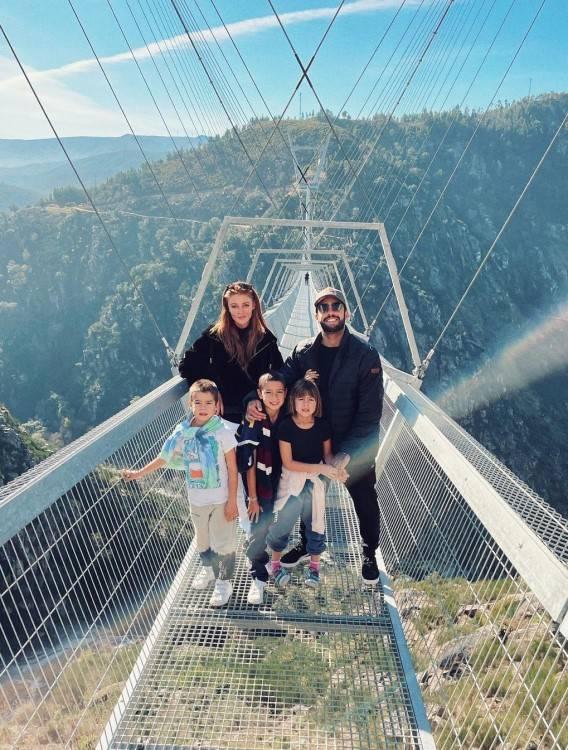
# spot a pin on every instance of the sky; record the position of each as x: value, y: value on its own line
x: 48, y: 39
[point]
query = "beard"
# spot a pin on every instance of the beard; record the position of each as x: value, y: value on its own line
x: 333, y: 327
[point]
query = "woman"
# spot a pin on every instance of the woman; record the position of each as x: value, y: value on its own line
x: 235, y: 351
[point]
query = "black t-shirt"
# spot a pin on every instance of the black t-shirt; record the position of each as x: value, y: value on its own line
x: 326, y: 358
x: 307, y: 445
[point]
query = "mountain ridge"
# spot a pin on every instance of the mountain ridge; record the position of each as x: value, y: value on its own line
x: 40, y: 166
x: 80, y: 345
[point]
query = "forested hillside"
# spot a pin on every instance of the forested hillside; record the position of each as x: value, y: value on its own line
x: 77, y: 343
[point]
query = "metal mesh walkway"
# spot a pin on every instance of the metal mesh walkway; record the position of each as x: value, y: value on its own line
x: 307, y: 669
x: 100, y: 631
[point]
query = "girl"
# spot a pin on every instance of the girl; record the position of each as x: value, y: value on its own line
x: 235, y: 351
x: 305, y: 441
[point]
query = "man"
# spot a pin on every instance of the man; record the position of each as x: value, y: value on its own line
x: 349, y: 375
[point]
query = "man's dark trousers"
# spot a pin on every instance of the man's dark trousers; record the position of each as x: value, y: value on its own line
x: 364, y: 496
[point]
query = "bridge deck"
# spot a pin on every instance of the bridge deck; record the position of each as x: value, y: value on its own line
x: 307, y: 669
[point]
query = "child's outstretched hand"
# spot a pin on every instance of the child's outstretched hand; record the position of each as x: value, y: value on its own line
x: 129, y: 475
x: 254, y: 509
x: 231, y: 511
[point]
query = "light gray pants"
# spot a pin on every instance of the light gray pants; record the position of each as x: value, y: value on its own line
x: 216, y: 538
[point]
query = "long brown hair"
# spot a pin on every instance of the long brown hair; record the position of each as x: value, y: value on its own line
x: 228, y: 332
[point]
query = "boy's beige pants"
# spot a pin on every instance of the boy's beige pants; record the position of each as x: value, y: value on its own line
x: 212, y: 530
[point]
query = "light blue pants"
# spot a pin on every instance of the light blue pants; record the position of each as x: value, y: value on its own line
x: 299, y: 506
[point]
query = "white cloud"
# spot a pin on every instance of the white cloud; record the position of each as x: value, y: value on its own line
x: 75, y: 113
x: 247, y: 27
x: 72, y: 113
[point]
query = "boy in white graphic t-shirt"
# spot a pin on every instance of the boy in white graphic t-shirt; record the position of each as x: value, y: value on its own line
x: 204, y: 448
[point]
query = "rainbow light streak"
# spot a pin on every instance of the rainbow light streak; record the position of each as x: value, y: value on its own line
x: 541, y: 351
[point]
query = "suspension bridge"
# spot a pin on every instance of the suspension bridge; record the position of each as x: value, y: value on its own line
x: 462, y: 644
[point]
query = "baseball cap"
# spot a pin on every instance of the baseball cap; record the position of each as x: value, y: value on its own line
x: 330, y: 291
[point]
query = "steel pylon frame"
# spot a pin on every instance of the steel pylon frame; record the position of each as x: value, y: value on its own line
x: 378, y: 227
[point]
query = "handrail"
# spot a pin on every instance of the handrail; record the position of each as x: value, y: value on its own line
x: 28, y: 495
x: 541, y: 569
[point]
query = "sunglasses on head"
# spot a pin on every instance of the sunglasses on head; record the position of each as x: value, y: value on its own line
x: 324, y: 307
x: 238, y: 286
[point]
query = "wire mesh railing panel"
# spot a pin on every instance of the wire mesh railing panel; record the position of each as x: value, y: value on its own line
x: 546, y: 522
x: 80, y: 586
x: 491, y: 664
x: 306, y: 669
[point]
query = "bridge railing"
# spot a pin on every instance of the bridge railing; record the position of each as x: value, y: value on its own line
x: 85, y: 563
x: 476, y: 560
x: 478, y: 568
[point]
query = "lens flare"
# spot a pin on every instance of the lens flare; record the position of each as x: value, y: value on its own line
x: 540, y: 351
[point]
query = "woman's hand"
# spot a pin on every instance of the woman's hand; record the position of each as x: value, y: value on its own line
x: 129, y: 475
x: 254, y: 509
x: 311, y: 375
x: 254, y: 411
x: 231, y: 511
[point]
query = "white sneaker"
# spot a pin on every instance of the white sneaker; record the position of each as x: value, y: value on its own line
x: 256, y: 592
x: 203, y: 578
x: 221, y: 593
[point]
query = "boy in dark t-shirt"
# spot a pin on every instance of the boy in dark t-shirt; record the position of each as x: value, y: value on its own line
x: 258, y: 457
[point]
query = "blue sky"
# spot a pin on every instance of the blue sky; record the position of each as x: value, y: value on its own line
x: 49, y: 41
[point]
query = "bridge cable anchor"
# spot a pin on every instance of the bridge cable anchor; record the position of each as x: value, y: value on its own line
x: 420, y: 370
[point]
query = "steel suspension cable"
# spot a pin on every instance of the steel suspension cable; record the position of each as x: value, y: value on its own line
x: 500, y: 233
x: 230, y: 67
x: 446, y: 56
x: 381, y: 211
x: 134, y: 283
x: 123, y: 111
x: 200, y: 93
x: 157, y: 106
x: 466, y: 93
x: 433, y: 158
x: 166, y: 89
x: 426, y: 88
x: 249, y: 73
x: 216, y: 69
x: 309, y: 82
x: 416, y: 67
x: 396, y: 75
x: 235, y: 130
x: 398, y: 72
x: 365, y: 67
x: 465, y: 149
x: 297, y: 86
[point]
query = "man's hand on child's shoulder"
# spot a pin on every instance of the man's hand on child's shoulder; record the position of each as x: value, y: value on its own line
x: 254, y: 411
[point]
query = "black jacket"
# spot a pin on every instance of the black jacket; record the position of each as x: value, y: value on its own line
x: 208, y: 358
x: 355, y: 394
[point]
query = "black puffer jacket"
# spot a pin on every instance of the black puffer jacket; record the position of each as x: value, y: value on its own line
x: 355, y: 400
x: 208, y: 358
